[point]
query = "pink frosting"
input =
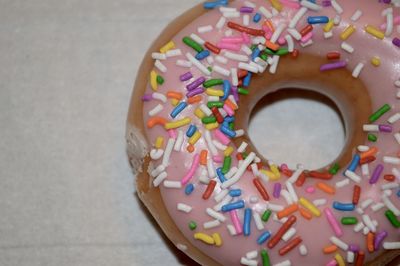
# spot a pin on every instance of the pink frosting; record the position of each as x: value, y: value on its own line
x: 316, y: 232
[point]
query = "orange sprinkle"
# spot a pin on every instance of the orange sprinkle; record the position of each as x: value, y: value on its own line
x: 302, y: 178
x: 269, y: 24
x: 157, y: 120
x: 326, y: 188
x: 370, y: 242
x: 175, y: 95
x: 305, y: 213
x: 356, y: 194
x: 194, y: 99
x: 367, y: 159
x: 203, y: 157
x: 287, y: 211
x: 231, y: 104
x: 190, y: 148
x: 330, y: 249
x: 371, y: 152
x: 272, y: 46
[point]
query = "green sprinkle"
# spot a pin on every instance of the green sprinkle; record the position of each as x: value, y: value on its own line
x: 209, y: 69
x: 372, y: 137
x: 266, y: 215
x: 349, y: 220
x: 334, y: 169
x: 193, y: 44
x: 265, y: 258
x: 232, y: 125
x: 227, y: 164
x: 381, y: 111
x: 243, y: 91
x: 392, y: 218
x: 215, y: 104
x: 253, y: 46
x: 192, y: 225
x: 244, y: 155
x: 280, y: 52
x: 264, y: 57
x: 160, y: 80
x: 212, y: 82
x: 208, y: 120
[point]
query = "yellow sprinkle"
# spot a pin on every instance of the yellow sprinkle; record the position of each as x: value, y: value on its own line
x: 217, y: 239
x: 310, y: 206
x: 270, y: 174
x: 212, y: 126
x: 339, y: 259
x: 174, y: 102
x: 214, y: 92
x: 276, y: 4
x: 153, y: 80
x: 375, y: 32
x: 328, y: 26
x: 347, y: 32
x: 196, y: 136
x: 159, y: 142
x: 205, y: 238
x: 179, y: 123
x: 376, y: 61
x: 275, y: 170
x: 170, y: 45
x: 199, y: 113
x: 228, y: 151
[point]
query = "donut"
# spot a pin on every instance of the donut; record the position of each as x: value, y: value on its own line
x: 215, y: 196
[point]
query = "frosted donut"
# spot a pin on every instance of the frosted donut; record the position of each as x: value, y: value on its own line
x: 213, y: 194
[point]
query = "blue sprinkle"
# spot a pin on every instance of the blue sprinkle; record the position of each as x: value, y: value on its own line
x: 189, y: 189
x: 312, y: 1
x: 227, y: 90
x: 343, y: 206
x: 191, y: 130
x: 229, y: 119
x: 354, y: 163
x: 221, y: 175
x: 203, y: 54
x: 318, y: 20
x: 227, y: 131
x: 235, y: 192
x: 179, y: 108
x: 247, y: 220
x: 214, y: 4
x: 255, y: 54
x: 233, y: 206
x: 263, y: 237
x: 257, y: 18
x: 246, y: 80
x: 398, y: 193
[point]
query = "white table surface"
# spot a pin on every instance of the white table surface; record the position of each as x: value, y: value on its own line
x: 66, y: 188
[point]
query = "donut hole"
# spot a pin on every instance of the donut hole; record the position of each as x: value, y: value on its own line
x: 295, y: 126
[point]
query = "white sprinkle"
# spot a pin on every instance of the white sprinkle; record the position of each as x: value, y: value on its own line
x: 173, y: 53
x: 253, y: 199
x: 228, y: 33
x: 342, y: 183
x: 391, y: 245
x: 237, y: 57
x: 296, y: 174
x: 277, y: 33
x: 366, y: 203
x: 258, y: 221
x: 396, y: 173
x: 156, y: 154
x: 172, y: 184
x: 249, y: 4
x: 275, y: 218
x: 367, y: 221
x: 350, y: 256
x: 274, y: 64
x: 158, y: 170
x: 211, y: 224
x: 198, y: 64
x: 336, y: 20
x: 223, y: 71
x: 370, y: 128
x: 310, y: 5
x: 274, y: 12
x: 358, y: 227
x: 292, y: 191
x: 295, y: 34
x: 221, y: 195
x: 285, y: 194
x: 183, y: 63
x: 246, y: 50
x: 284, y: 263
x: 248, y: 262
x: 246, y: 20
x: 235, y: 14
x: 290, y: 42
x: 160, y: 66
x: 158, y: 108
x: 353, y: 176
x: 219, y: 145
x: 265, y: 12
x: 157, y: 181
x: 184, y: 208
x: 275, y: 207
x: 397, y: 137
x: 220, y: 23
x: 231, y: 172
x: 231, y: 229
x: 289, y: 234
x: 394, y: 118
x: 242, y: 147
x: 389, y: 22
x: 204, y: 179
x: 390, y: 186
x: 387, y: 193
x: 397, y: 82
x: 168, y: 151
x: 159, y: 96
x: 308, y: 43
x: 181, y: 247
x: 328, y: 34
x: 210, y: 169
x: 252, y: 255
x: 319, y: 202
x: 365, y: 169
x: 376, y: 207
x: 337, y: 7
x: 204, y: 29
x: 303, y: 250
x: 221, y: 59
x: 356, y: 15
x: 365, y: 230
x: 216, y: 215
x: 347, y: 47
x: 362, y: 148
x: 204, y: 108
x: 357, y: 70
x: 234, y: 75
x: 158, y: 56
x: 249, y: 159
x: 390, y: 205
x: 359, y: 211
x: 179, y: 141
x: 248, y: 67
x: 339, y: 243
x: 391, y: 160
x: 226, y: 200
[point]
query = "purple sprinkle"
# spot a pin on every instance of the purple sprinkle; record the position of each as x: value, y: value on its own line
x: 331, y: 66
x: 194, y: 92
x: 277, y: 190
x: 326, y: 3
x: 385, y: 128
x: 376, y: 174
x: 186, y: 76
x: 379, y: 238
x: 246, y: 9
x: 354, y: 248
x: 396, y: 41
x: 195, y: 83
x: 385, y: 1
x: 235, y: 94
x: 147, y: 97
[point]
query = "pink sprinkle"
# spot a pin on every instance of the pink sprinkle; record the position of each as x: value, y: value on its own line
x: 281, y: 41
x: 266, y: 29
x: 236, y: 221
x: 217, y: 159
x: 290, y: 4
x: 221, y: 137
x: 332, y: 263
x: 268, y: 35
x: 193, y: 168
x: 333, y: 222
x: 307, y: 37
x: 310, y: 189
x: 396, y: 21
x: 172, y: 133
x: 229, y: 110
x: 232, y: 39
x: 246, y: 38
x: 228, y: 46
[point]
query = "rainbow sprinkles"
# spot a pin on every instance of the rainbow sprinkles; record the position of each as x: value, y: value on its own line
x: 227, y: 201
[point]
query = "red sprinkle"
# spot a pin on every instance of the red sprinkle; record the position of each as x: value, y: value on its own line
x: 318, y: 175
x: 302, y: 178
x: 389, y: 178
x: 241, y: 28
x: 356, y: 194
x: 333, y: 55
x: 242, y: 73
x: 360, y: 259
x: 284, y: 228
x: 212, y: 47
x: 307, y: 29
x: 217, y: 114
x: 295, y: 53
x: 260, y: 187
x: 210, y: 189
x: 289, y: 246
